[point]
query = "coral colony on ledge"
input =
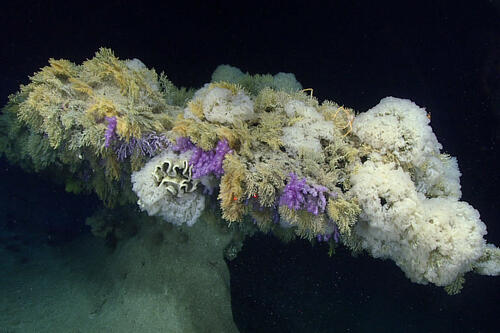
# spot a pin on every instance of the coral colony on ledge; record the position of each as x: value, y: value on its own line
x: 275, y: 158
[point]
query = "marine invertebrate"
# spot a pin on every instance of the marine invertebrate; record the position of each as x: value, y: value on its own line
x: 375, y: 181
x: 209, y: 162
x: 110, y: 131
x: 297, y: 194
x: 204, y: 162
x: 345, y: 214
x: 349, y: 118
x: 148, y: 145
x: 165, y: 188
x: 176, y: 176
x: 232, y: 188
x: 398, y: 223
x: 255, y: 83
x: 82, y: 113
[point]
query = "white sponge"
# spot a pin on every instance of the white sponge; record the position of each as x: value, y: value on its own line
x: 157, y: 200
x: 439, y: 176
x: 308, y: 130
x: 432, y: 240
x: 400, y: 127
x: 221, y: 105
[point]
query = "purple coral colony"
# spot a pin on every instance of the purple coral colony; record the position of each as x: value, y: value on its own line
x: 296, y: 195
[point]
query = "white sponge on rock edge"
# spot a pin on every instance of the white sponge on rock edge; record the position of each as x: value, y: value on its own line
x: 431, y: 240
x: 221, y: 105
x: 439, y: 176
x: 400, y: 127
x: 157, y: 200
x: 489, y: 263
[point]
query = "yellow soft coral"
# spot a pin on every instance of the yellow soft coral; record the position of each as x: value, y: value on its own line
x: 102, y: 107
x: 196, y: 107
x: 307, y: 224
x: 61, y: 67
x: 234, y: 88
x: 81, y: 87
x: 344, y: 213
x: 203, y: 134
x: 231, y: 188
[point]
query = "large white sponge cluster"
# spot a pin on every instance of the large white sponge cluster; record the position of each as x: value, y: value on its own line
x: 399, y: 127
x: 305, y: 134
x: 409, y: 195
x: 157, y: 200
x: 221, y: 105
x: 432, y: 240
x: 438, y: 176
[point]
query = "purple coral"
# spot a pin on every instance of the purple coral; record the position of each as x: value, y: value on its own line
x: 297, y: 194
x: 148, y: 145
x: 183, y: 144
x: 326, y: 237
x: 294, y: 193
x: 206, y: 162
x: 316, y: 201
x: 110, y: 131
